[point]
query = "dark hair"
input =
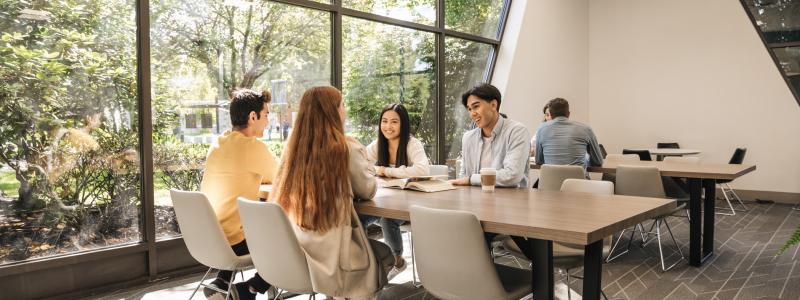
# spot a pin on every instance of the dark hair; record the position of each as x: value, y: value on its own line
x: 558, y: 108
x: 544, y: 110
x: 244, y: 101
x: 405, y: 135
x: 485, y: 91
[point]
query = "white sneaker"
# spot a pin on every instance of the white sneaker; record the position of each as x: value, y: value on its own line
x: 272, y: 292
x: 396, y: 271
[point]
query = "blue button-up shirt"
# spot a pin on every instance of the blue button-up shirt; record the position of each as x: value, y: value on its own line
x: 510, y: 148
x: 565, y: 142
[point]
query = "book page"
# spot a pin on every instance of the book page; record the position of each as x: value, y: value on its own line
x: 430, y: 186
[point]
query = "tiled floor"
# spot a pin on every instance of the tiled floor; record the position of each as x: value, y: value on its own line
x: 745, y: 266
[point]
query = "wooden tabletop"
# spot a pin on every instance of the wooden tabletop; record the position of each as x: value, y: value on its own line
x: 679, y: 169
x: 576, y: 218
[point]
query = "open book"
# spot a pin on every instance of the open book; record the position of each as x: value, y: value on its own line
x: 428, y: 184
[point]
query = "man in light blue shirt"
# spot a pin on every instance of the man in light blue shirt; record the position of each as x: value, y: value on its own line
x: 497, y: 142
x: 565, y: 142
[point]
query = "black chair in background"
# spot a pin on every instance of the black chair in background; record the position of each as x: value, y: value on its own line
x: 603, y: 151
x: 727, y: 191
x: 643, y: 154
x: 668, y: 146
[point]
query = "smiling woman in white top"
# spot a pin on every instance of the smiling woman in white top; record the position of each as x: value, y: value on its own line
x: 396, y: 154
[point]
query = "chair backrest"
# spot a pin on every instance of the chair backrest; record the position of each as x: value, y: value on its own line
x: 622, y: 157
x: 668, y: 146
x: 588, y: 186
x: 273, y: 246
x: 201, y: 230
x: 738, y: 156
x: 603, y: 151
x: 551, y: 176
x: 639, y: 181
x: 465, y: 269
x: 682, y: 159
x: 643, y: 154
x: 439, y: 170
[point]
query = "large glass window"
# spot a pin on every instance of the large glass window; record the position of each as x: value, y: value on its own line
x: 466, y: 64
x: 70, y: 176
x: 204, y: 50
x: 418, y: 11
x: 779, y: 20
x: 478, y: 17
x: 779, y: 23
x: 69, y: 164
x: 789, y: 60
x: 385, y: 64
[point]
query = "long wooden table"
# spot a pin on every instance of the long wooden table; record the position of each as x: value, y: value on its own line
x: 541, y: 216
x: 699, y: 177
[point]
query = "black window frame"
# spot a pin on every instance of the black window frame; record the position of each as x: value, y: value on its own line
x: 121, y: 266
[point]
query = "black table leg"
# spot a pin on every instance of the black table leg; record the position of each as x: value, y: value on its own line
x: 695, y: 250
x: 710, y: 186
x: 592, y: 270
x: 542, y: 268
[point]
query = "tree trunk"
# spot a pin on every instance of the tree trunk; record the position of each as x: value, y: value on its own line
x: 27, y: 194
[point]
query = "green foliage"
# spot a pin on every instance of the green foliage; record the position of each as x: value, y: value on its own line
x: 276, y: 148
x: 56, y: 72
x: 9, y: 185
x: 792, y: 241
x: 181, y: 164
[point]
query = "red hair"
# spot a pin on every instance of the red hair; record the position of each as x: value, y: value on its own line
x: 313, y: 183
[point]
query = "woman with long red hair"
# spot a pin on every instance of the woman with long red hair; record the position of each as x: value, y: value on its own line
x: 322, y: 173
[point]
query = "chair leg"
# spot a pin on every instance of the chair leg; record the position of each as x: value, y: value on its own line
x: 610, y: 256
x: 200, y: 283
x: 569, y: 291
x: 644, y: 236
x: 658, y: 239
x: 647, y: 233
x: 660, y: 248
x: 736, y: 196
x: 414, y: 280
x: 230, y: 285
x: 581, y: 278
x: 728, y: 200
x: 669, y: 230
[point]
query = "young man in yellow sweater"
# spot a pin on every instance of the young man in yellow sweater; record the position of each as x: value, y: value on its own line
x: 237, y: 164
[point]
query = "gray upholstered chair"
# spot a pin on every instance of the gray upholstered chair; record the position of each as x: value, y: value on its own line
x: 645, y: 182
x: 551, y: 176
x: 204, y: 237
x: 434, y: 170
x: 466, y: 271
x: 727, y: 191
x: 587, y: 186
x: 274, y: 248
x: 568, y: 257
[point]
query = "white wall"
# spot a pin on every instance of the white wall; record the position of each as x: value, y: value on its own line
x: 544, y: 55
x: 693, y: 72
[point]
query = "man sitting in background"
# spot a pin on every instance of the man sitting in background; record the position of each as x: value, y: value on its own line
x: 566, y: 142
x: 237, y: 164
